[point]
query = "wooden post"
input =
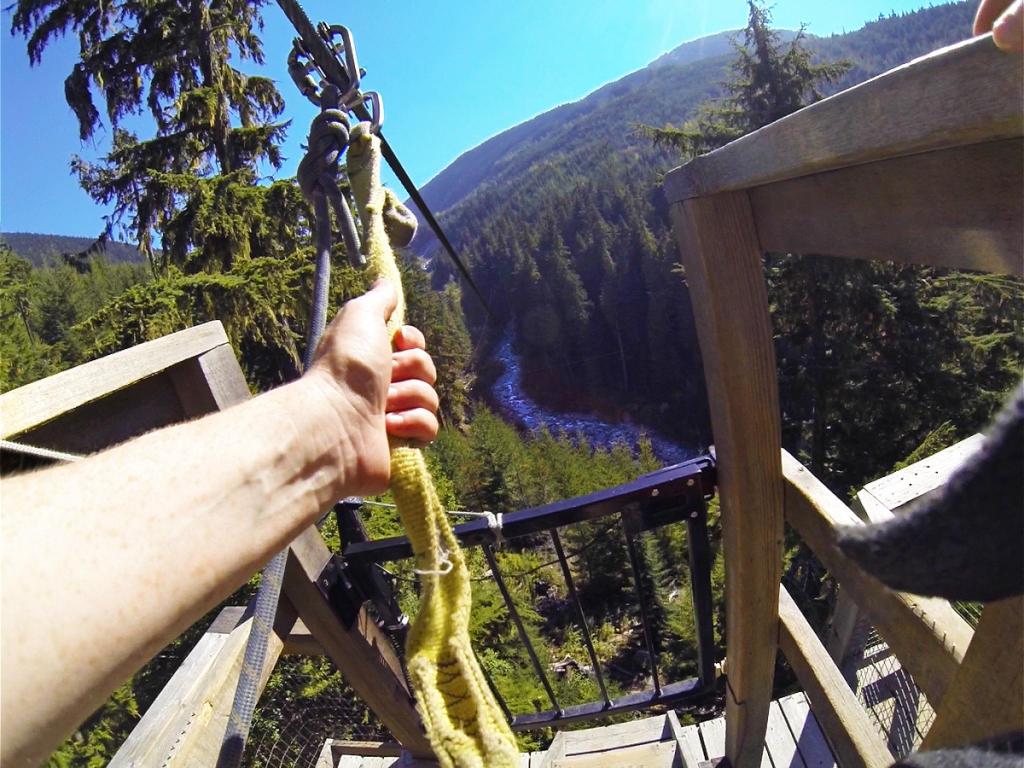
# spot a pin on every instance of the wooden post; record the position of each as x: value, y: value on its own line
x: 986, y: 698
x: 363, y: 653
x: 186, y: 723
x: 722, y: 257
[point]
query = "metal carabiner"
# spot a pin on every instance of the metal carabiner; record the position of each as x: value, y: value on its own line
x: 345, y: 51
x: 300, y: 68
x: 376, y: 104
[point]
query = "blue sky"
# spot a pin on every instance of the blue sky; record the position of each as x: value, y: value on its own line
x: 452, y: 74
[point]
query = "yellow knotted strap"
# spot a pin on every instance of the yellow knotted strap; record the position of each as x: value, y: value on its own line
x: 463, y: 722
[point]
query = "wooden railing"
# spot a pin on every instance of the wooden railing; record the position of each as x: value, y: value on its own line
x: 923, y: 164
x: 178, y: 377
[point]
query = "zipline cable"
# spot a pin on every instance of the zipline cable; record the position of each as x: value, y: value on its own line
x: 327, y: 61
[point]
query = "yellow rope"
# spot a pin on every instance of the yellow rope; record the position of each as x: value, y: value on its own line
x: 463, y: 722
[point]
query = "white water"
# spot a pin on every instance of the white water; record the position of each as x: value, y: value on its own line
x: 508, y: 392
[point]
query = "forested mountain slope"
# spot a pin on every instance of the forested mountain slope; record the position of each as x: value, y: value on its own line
x: 567, y: 234
x: 41, y: 249
x: 669, y: 89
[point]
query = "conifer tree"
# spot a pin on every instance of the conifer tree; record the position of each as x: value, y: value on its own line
x: 769, y: 81
x: 172, y: 60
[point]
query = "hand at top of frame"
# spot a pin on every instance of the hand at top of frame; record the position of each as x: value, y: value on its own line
x: 1005, y: 19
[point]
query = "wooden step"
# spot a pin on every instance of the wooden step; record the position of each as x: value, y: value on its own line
x: 648, y: 743
x: 794, y: 740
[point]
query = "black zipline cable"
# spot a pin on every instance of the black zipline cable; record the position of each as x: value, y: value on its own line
x: 328, y: 63
x: 417, y: 198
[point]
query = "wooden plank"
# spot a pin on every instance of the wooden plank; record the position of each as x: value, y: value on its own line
x: 39, y: 402
x: 931, y: 656
x: 868, y: 507
x: 616, y: 735
x: 186, y: 723
x: 142, y: 407
x: 366, y: 748
x: 922, y: 477
x: 148, y: 737
x: 213, y: 381
x: 854, y: 738
x: 691, y: 747
x: 363, y: 653
x: 779, y: 741
x: 959, y: 207
x: 986, y: 699
x: 326, y: 757
x: 964, y: 94
x: 713, y: 734
x: 722, y: 257
x: 555, y: 751
x: 810, y: 741
x: 655, y: 755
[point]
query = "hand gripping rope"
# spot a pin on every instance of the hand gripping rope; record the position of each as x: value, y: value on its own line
x: 464, y: 724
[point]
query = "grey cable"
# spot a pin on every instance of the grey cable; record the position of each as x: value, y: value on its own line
x: 37, y: 452
x: 318, y: 172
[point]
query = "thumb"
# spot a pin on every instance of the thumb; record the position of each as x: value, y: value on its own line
x: 1008, y: 32
x: 381, y: 299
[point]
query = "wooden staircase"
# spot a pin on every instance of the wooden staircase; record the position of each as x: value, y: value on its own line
x: 794, y: 740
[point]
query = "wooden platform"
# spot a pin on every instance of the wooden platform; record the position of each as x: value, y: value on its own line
x: 794, y: 740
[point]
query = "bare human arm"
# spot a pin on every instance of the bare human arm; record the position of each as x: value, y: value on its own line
x: 107, y: 560
x: 1005, y: 20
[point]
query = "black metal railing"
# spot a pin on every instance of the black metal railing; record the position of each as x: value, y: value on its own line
x: 674, y: 494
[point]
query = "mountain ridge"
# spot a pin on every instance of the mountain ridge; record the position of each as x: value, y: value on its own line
x: 669, y: 90
x: 41, y: 248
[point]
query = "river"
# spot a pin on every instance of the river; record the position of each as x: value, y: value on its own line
x: 508, y: 393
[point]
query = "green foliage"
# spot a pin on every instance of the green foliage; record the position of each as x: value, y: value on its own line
x: 39, y: 306
x: 768, y: 82
x: 173, y: 59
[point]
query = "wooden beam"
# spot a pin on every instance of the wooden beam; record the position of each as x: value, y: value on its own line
x: 300, y: 642
x: 185, y: 724
x: 365, y: 748
x: 854, y: 739
x: 958, y: 207
x: 363, y: 653
x: 964, y: 94
x: 986, y: 700
x: 212, y: 381
x: 722, y: 257
x: 919, y: 479
x: 37, y: 403
x: 913, y: 626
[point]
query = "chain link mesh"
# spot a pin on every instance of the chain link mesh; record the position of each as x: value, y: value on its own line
x: 305, y: 703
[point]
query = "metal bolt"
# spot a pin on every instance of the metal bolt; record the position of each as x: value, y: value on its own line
x: 690, y: 482
x: 694, y: 514
x: 655, y: 492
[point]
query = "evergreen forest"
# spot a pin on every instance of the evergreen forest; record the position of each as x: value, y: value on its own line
x: 563, y: 225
